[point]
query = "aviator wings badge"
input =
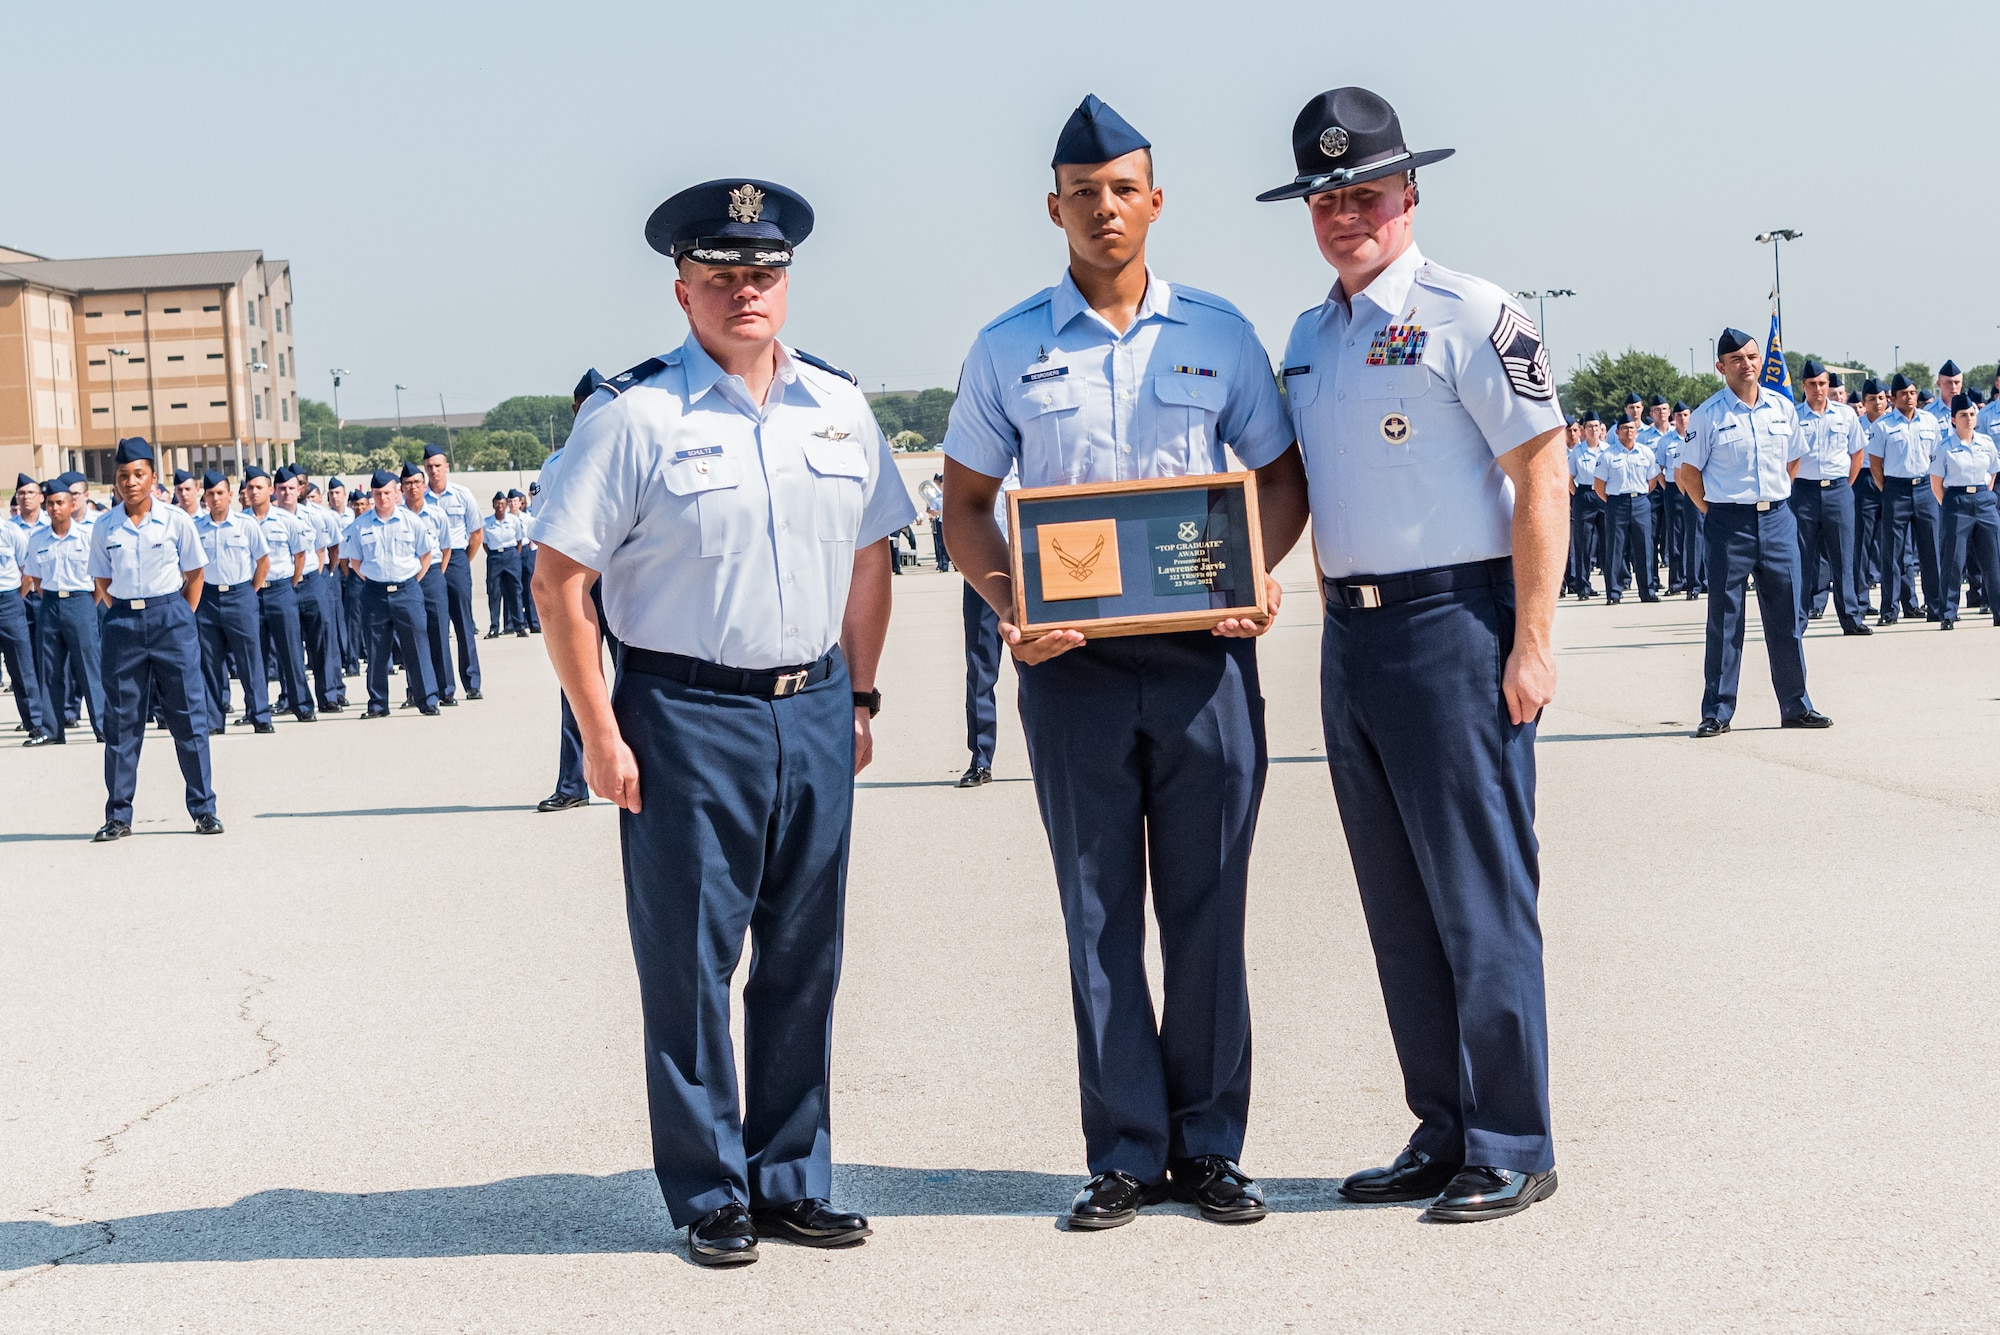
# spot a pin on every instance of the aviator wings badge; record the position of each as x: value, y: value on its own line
x: 746, y: 204
x: 831, y: 433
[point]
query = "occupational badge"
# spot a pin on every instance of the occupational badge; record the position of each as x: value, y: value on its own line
x: 1396, y: 429
x: 746, y: 204
x: 831, y: 433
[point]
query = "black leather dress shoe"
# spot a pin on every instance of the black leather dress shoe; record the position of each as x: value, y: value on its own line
x: 520, y: 634
x: 1111, y: 1199
x: 1222, y: 1192
x: 111, y: 829
x: 336, y: 707
x: 244, y: 722
x: 1415, y: 1176
x: 1649, y: 597
x: 812, y: 1222
x: 1711, y: 728
x: 449, y: 701
x: 376, y: 713
x: 723, y: 1237
x: 974, y: 776
x: 429, y: 711
x: 1947, y: 625
x: 264, y: 727
x: 207, y: 825
x: 1857, y: 629
x: 472, y: 693
x: 1812, y: 718
x: 558, y: 802
x: 41, y: 739
x: 306, y: 718
x: 1489, y: 1193
x: 491, y: 635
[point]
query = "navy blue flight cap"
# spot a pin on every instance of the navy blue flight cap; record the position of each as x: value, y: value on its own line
x: 1591, y: 416
x: 1925, y: 396
x: 211, y: 478
x: 514, y: 494
x: 731, y: 222
x: 23, y: 480
x: 1095, y: 133
x: 64, y: 481
x: 410, y: 470
x: 182, y: 475
x: 1632, y: 396
x: 1811, y: 368
x: 1344, y: 137
x: 335, y: 484
x: 435, y: 449
x: 382, y: 478
x: 1962, y: 403
x: 1975, y: 396
x: 499, y: 495
x: 1569, y: 421
x: 586, y: 386
x: 1950, y: 368
x: 1871, y: 386
x: 1680, y: 407
x: 1657, y: 401
x: 131, y: 449
x: 1732, y: 340
x: 253, y: 471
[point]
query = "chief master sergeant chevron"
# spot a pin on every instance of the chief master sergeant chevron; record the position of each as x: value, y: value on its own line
x: 1433, y: 450
x: 736, y: 496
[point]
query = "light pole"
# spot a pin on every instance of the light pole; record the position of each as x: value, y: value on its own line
x: 1541, y: 300
x: 255, y: 368
x: 1895, y: 365
x: 111, y: 360
x: 444, y: 422
x: 399, y: 408
x: 1772, y: 238
x: 339, y: 436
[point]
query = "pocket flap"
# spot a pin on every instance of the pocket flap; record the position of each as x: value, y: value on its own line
x: 687, y: 477
x: 1394, y: 382
x: 1048, y: 396
x: 1193, y: 391
x: 836, y: 458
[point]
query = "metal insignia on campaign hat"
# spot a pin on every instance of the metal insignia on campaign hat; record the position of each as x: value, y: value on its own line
x: 1344, y: 137
x: 735, y: 221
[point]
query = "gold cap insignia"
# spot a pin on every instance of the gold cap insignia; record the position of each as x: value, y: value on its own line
x: 746, y: 204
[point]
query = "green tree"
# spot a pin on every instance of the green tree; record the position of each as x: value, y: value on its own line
x: 907, y: 440
x: 314, y: 413
x: 1919, y: 374
x: 536, y: 414
x: 1604, y: 382
x: 930, y: 414
x: 385, y: 457
x: 331, y: 461
x: 889, y: 413
x: 1981, y: 377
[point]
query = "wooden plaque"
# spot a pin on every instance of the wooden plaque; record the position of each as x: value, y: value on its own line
x: 1136, y: 558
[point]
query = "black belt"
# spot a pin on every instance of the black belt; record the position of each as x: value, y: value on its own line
x: 1829, y: 481
x: 1970, y: 491
x: 139, y: 604
x: 766, y: 684
x: 1388, y: 590
x: 1758, y: 506
x: 67, y: 593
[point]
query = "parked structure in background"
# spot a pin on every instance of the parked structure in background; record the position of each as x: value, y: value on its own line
x: 193, y: 352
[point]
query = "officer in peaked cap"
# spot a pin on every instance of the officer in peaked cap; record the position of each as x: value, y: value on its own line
x: 1836, y: 447
x: 736, y: 497
x: 1433, y: 443
x: 239, y: 561
x: 1743, y: 451
x: 1900, y: 449
x: 572, y: 790
x: 1148, y: 751
x: 147, y: 563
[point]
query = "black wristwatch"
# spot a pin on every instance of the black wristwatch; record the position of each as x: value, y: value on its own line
x: 871, y: 700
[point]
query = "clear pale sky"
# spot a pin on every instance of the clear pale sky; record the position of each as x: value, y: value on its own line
x: 462, y: 190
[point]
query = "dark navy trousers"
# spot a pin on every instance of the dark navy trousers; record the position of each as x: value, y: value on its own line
x: 745, y: 808
x: 396, y: 619
x: 1971, y: 522
x: 982, y: 677
x: 1909, y: 516
x: 321, y: 648
x: 1745, y: 541
x: 229, y: 627
x: 278, y: 609
x: 152, y: 663
x: 1694, y: 545
x: 1149, y: 757
x: 503, y: 591
x: 1586, y: 528
x: 70, y: 629
x: 569, y: 759
x: 437, y: 633
x: 1825, y: 519
x: 458, y: 606
x: 18, y: 640
x: 354, y: 639
x: 1436, y: 788
x: 1628, y: 525
x: 528, y: 588
x: 1867, y: 536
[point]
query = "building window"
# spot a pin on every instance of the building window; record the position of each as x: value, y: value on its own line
x: 135, y: 312
x: 251, y: 307
x: 257, y: 405
x: 93, y: 315
x: 177, y: 405
x: 171, y: 310
x: 98, y: 362
x: 176, y: 357
x: 138, y: 408
x: 281, y: 366
x: 94, y: 411
x: 215, y: 356
x: 135, y: 361
x: 218, y: 403
x: 280, y: 314
x: 210, y: 310
x: 285, y: 409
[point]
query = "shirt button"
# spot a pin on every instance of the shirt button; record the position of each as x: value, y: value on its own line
x: 1341, y: 395
x: 784, y: 526
x: 791, y: 630
x: 789, y: 580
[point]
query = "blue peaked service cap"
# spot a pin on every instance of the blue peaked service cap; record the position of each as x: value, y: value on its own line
x: 1095, y: 133
x: 1732, y: 340
x: 736, y: 221
x: 132, y: 449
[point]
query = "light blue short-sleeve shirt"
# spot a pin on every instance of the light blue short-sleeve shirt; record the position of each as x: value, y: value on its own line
x: 1626, y: 472
x: 724, y: 529
x: 61, y: 563
x: 1832, y: 438
x: 285, y: 536
x: 1052, y: 389
x: 461, y: 511
x: 1743, y: 451
x: 233, y: 548
x: 503, y: 532
x: 13, y: 551
x: 1905, y: 444
x: 1403, y: 399
x: 1965, y: 463
x: 146, y: 559
x: 389, y: 551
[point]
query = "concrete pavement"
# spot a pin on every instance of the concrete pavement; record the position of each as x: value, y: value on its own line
x: 371, y: 1060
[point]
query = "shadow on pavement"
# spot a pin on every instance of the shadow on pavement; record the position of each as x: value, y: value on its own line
x: 392, y: 811
x: 550, y: 1214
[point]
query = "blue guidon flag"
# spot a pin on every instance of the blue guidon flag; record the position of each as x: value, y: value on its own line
x: 1777, y: 374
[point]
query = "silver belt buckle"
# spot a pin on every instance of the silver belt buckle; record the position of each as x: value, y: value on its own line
x: 1371, y: 594
x: 1970, y: 491
x: 1763, y: 506
x: 789, y: 683
x: 1826, y: 482
x: 393, y: 587
x: 224, y: 588
x: 138, y: 604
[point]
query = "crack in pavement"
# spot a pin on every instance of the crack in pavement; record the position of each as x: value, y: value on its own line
x: 108, y: 1146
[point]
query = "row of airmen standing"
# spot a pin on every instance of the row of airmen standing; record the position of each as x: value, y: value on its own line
x: 1872, y: 493
x: 267, y: 577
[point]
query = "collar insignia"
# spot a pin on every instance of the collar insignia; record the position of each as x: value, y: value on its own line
x: 746, y: 204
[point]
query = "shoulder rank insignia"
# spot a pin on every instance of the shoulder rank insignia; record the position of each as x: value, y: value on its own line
x: 831, y: 433
x: 1522, y: 355
x: 828, y: 367
x: 625, y: 380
